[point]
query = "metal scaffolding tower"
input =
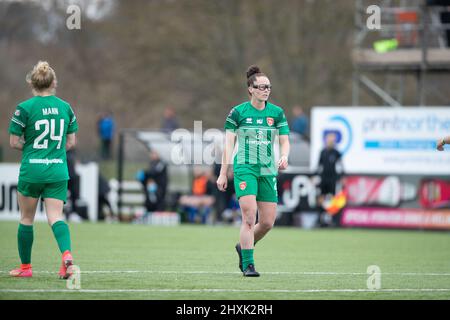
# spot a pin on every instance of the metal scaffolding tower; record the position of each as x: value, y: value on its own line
x: 422, y: 47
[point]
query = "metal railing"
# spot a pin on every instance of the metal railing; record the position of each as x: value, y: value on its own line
x: 425, y: 24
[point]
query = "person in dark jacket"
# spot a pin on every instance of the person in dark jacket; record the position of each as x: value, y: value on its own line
x: 103, y: 201
x: 155, y: 183
x: 330, y: 170
x: 73, y: 185
x: 330, y: 167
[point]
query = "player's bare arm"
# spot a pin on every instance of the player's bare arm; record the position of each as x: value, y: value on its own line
x: 230, y: 139
x: 16, y: 142
x: 284, y: 152
x: 71, y: 141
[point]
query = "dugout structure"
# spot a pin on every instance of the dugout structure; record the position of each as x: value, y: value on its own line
x: 133, y: 156
x: 182, y: 151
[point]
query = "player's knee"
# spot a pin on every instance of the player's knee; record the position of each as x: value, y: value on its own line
x: 265, y: 225
x: 26, y: 217
x: 249, y: 217
x: 52, y: 218
x: 250, y: 224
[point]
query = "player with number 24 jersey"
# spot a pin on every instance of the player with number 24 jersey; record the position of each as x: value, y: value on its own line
x: 43, y: 128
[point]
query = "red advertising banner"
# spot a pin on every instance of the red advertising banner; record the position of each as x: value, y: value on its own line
x: 396, y: 218
x: 394, y: 201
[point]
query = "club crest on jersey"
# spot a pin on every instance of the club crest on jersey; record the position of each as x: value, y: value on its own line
x: 17, y: 113
x: 269, y: 121
x: 243, y: 185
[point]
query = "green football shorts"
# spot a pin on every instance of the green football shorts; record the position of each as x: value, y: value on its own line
x: 263, y: 187
x: 54, y: 190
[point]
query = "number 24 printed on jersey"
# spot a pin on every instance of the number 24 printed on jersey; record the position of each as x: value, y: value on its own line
x: 49, y: 127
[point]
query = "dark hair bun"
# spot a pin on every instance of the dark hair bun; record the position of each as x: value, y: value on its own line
x: 253, y: 69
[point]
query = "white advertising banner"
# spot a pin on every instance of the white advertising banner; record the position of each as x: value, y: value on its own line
x: 384, y: 140
x: 9, y: 208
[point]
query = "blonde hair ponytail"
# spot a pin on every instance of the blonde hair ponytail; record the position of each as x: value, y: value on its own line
x: 41, y: 77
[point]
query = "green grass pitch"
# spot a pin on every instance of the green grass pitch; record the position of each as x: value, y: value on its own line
x: 199, y: 262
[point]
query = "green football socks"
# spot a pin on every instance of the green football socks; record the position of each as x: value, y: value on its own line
x: 247, y: 258
x: 62, y: 235
x: 25, y: 242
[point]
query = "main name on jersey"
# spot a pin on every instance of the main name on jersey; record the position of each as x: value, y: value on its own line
x: 48, y: 111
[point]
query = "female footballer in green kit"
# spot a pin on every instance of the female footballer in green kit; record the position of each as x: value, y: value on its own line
x: 43, y: 128
x: 255, y: 124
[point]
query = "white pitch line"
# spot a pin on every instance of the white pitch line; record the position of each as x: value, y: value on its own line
x: 237, y: 272
x: 219, y: 290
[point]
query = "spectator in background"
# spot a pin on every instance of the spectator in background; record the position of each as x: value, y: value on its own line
x: 330, y: 166
x: 300, y: 123
x: 103, y: 201
x: 73, y: 185
x: 106, y: 127
x: 198, y: 205
x: 169, y: 122
x: 155, y: 183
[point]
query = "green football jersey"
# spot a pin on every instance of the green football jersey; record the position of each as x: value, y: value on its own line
x: 256, y: 131
x: 44, y: 123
